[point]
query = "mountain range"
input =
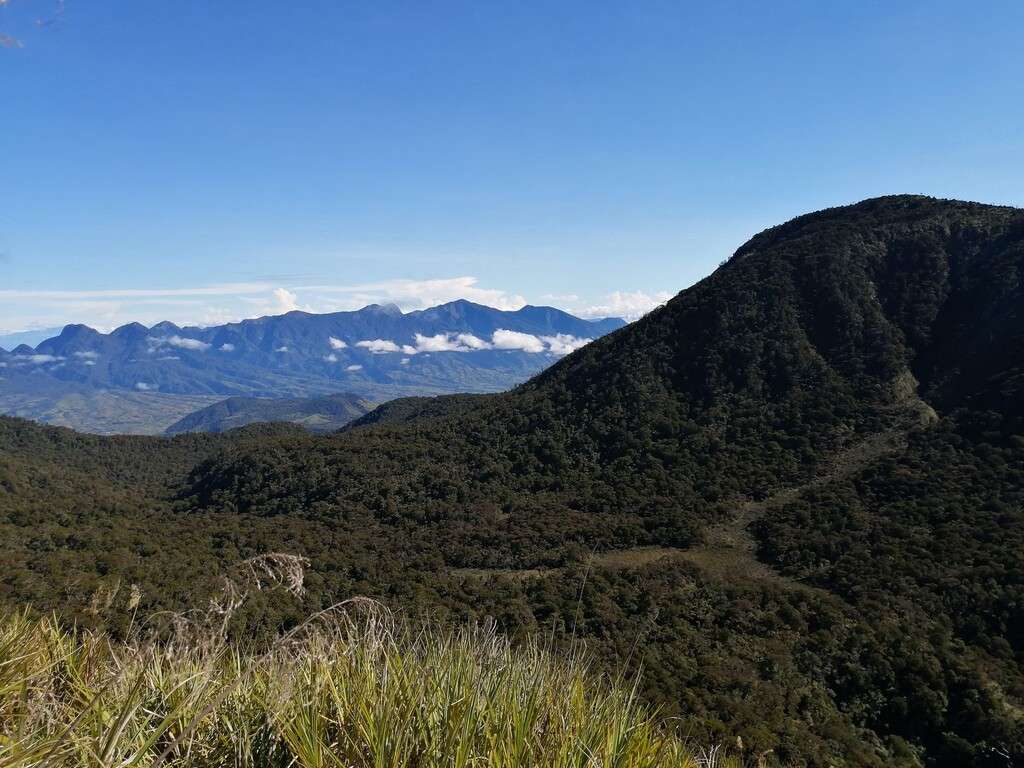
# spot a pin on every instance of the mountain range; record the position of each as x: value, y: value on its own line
x: 377, y: 353
x: 791, y: 500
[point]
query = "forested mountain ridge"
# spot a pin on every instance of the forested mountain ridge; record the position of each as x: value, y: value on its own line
x: 622, y: 495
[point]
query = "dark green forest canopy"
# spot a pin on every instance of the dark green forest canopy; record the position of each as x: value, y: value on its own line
x: 792, y: 496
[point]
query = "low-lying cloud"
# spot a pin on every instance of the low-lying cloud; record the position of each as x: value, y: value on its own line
x: 412, y: 294
x: 629, y: 305
x: 502, y: 339
x: 378, y: 346
x: 182, y: 342
x: 527, y: 342
x: 563, y: 343
x: 449, y: 342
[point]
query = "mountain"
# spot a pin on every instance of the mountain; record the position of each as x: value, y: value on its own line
x: 791, y: 499
x: 318, y: 414
x: 377, y: 352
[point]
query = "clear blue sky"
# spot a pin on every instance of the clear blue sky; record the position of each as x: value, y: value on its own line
x: 188, y: 159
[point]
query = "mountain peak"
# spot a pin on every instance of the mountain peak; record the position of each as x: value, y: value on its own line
x: 129, y: 329
x: 77, y: 331
x: 383, y: 309
x: 165, y: 327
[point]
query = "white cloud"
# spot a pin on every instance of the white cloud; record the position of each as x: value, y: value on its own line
x: 379, y: 346
x: 447, y: 342
x: 559, y: 344
x: 442, y: 342
x: 471, y: 341
x: 284, y: 300
x: 281, y: 349
x: 563, y: 343
x: 506, y: 339
x: 143, y: 386
x: 331, y: 358
x: 87, y: 355
x: 169, y: 357
x: 226, y: 347
x: 415, y: 294
x: 408, y: 349
x: 561, y: 297
x: 404, y: 361
x: 629, y: 305
x: 90, y: 362
x: 354, y: 368
x: 336, y: 343
x: 182, y: 342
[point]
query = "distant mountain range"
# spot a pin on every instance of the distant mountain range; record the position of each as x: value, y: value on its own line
x: 376, y: 353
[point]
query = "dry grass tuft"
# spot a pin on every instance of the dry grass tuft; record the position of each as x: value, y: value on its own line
x: 351, y: 688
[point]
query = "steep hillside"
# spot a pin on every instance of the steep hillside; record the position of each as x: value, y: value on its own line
x: 793, y: 496
x: 317, y: 414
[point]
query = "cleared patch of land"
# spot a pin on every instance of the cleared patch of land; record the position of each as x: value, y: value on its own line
x: 106, y: 412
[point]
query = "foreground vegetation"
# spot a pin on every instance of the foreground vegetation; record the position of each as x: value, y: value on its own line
x: 352, y: 687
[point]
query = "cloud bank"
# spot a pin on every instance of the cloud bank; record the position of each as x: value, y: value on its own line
x: 502, y: 339
x: 184, y: 343
x: 505, y: 339
x: 629, y: 305
x: 379, y: 346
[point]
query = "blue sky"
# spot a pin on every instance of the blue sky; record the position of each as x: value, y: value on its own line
x: 203, y: 161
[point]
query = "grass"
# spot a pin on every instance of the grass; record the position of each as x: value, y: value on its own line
x: 352, y: 688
